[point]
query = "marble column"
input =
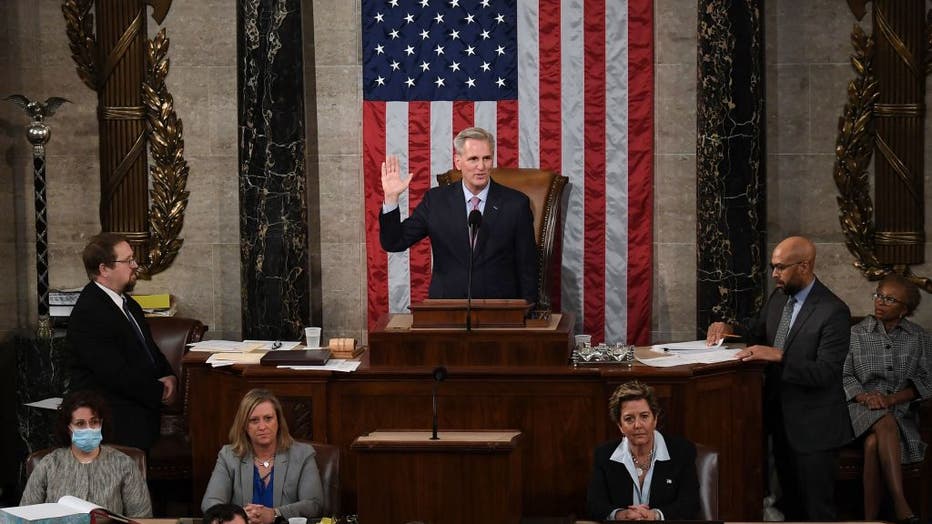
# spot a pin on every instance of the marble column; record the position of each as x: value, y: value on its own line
x: 731, y: 197
x: 272, y: 183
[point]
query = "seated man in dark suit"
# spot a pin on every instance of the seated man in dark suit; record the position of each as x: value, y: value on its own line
x: 505, y: 254
x: 112, y: 348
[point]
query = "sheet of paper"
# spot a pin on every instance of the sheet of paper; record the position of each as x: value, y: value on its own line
x: 228, y: 359
x: 681, y: 359
x: 692, y: 345
x: 47, y: 510
x: 228, y: 346
x: 334, y: 364
x: 47, y: 403
x: 79, y: 504
x: 283, y: 345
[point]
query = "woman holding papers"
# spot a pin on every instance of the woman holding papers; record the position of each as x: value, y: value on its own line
x: 263, y: 469
x: 888, y: 368
x: 84, y: 468
x: 644, y: 475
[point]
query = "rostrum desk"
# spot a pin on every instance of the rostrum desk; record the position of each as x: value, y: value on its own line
x: 561, y: 411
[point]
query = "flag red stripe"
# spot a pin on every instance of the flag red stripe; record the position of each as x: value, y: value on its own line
x: 373, y: 154
x: 419, y: 166
x: 594, y: 162
x: 551, y: 131
x: 549, y: 86
x: 506, y: 133
x: 640, y: 168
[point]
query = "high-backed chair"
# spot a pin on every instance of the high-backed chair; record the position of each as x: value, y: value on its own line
x: 170, y: 457
x: 545, y: 190
x: 328, y: 464
x: 138, y: 456
x: 707, y: 471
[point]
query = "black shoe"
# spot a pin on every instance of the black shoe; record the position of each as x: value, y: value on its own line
x: 912, y: 519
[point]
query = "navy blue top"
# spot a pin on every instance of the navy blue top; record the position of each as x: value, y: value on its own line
x: 262, y: 492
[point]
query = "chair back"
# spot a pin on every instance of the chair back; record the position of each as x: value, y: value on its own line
x: 138, y: 456
x: 328, y: 464
x: 707, y: 470
x: 172, y: 335
x: 545, y: 191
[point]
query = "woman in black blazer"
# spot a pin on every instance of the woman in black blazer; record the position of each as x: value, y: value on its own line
x: 644, y: 475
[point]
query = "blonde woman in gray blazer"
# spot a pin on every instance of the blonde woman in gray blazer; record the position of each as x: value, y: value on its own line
x: 263, y: 469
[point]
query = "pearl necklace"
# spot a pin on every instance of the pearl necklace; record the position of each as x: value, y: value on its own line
x: 641, y: 468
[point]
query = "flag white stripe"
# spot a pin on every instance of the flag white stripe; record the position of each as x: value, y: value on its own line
x: 616, y: 166
x: 486, y: 117
x: 441, y: 139
x: 396, y: 143
x: 573, y: 160
x: 528, y: 88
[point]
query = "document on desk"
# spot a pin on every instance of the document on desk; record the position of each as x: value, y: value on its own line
x: 334, y: 364
x: 224, y: 346
x: 228, y: 359
x: 669, y: 359
x: 273, y: 345
x: 692, y: 345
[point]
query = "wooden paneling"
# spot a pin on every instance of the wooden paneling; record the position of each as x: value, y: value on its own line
x: 560, y: 411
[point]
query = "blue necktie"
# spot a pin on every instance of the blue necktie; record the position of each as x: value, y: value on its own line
x: 139, y: 336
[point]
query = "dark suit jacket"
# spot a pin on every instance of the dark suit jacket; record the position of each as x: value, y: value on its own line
x: 674, y: 488
x: 107, y: 357
x: 807, y: 385
x: 505, y: 263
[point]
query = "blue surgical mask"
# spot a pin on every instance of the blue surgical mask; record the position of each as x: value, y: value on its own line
x: 86, y: 440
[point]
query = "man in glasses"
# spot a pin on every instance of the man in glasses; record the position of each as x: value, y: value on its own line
x: 803, y: 333
x: 112, y: 348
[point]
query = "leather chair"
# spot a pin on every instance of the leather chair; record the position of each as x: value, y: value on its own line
x: 545, y: 190
x: 170, y: 458
x: 138, y: 456
x: 707, y: 471
x: 328, y: 464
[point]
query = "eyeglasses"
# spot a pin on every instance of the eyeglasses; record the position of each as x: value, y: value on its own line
x: 93, y: 423
x: 886, y: 299
x: 780, y: 268
x: 131, y: 261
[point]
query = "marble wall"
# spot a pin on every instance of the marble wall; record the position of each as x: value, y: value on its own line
x: 806, y: 70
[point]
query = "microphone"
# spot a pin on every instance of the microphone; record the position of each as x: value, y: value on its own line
x: 440, y: 373
x: 475, y: 222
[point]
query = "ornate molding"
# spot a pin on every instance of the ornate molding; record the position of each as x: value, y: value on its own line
x: 79, y: 24
x: 853, y: 151
x: 169, y: 175
x: 167, y: 198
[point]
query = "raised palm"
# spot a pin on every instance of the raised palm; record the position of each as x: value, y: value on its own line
x: 392, y: 183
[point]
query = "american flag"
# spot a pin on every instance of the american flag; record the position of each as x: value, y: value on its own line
x: 565, y: 85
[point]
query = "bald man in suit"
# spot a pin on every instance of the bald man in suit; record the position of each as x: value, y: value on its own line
x: 803, y: 333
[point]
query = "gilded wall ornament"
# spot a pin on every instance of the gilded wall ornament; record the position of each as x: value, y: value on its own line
x: 885, y: 106
x: 135, y: 109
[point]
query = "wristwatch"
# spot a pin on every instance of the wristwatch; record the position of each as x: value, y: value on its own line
x: 279, y: 519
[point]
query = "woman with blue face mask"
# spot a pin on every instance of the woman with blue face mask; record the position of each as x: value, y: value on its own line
x: 83, y: 467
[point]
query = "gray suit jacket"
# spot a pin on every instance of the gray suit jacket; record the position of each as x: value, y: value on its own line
x: 807, y: 385
x: 296, y: 481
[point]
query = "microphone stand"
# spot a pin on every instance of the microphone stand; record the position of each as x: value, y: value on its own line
x: 475, y: 222
x: 440, y: 374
